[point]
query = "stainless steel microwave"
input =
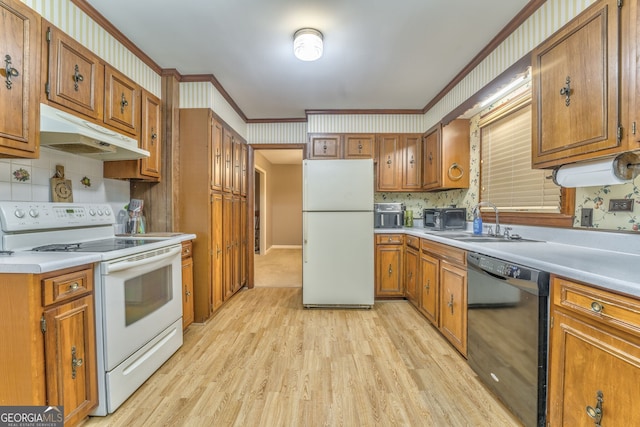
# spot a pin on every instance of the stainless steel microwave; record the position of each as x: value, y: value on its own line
x: 445, y: 218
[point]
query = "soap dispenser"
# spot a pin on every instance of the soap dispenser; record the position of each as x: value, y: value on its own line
x: 477, y: 221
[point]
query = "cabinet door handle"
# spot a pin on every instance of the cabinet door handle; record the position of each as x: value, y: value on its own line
x: 566, y: 91
x: 324, y: 148
x: 74, y: 286
x: 76, y: 362
x: 453, y: 167
x: 390, y: 270
x: 597, y: 307
x: 596, y: 413
x: 428, y: 285
x: 123, y: 103
x: 389, y: 161
x: 9, y: 71
x: 154, y: 136
x: 430, y: 157
x: 412, y: 161
x: 410, y: 275
x: 187, y: 293
x: 359, y: 147
x: 77, y: 77
x: 450, y: 303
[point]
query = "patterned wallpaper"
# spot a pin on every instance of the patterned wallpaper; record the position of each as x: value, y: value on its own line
x: 598, y: 198
x: 66, y: 16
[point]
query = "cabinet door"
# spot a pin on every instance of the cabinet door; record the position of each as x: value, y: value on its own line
x: 217, y: 251
x: 237, y: 165
x: 411, y: 162
x: 586, y: 360
x: 389, y: 158
x: 122, y: 102
x: 389, y: 271
x: 244, y: 242
x: 412, y: 275
x: 244, y: 169
x: 227, y: 235
x: 429, y: 303
x: 236, y: 224
x: 19, y: 106
x: 216, y: 152
x: 227, y: 158
x: 575, y: 76
x: 325, y: 147
x: 359, y: 146
x: 76, y: 76
x: 431, y: 159
x: 70, y: 358
x: 453, y: 305
x: 150, y: 139
x: 187, y: 292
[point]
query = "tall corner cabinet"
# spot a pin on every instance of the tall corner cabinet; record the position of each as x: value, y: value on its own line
x: 213, y: 187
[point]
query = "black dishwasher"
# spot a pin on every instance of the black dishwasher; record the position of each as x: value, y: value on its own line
x: 507, y: 333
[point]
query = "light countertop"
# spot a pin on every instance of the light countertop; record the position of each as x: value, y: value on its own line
x: 605, y: 268
x: 43, y: 262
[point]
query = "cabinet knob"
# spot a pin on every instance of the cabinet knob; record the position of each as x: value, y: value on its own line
x: 390, y: 270
x: 123, y: 103
x: 452, y: 168
x: 76, y: 362
x: 450, y: 303
x: 566, y: 91
x: 596, y: 413
x: 9, y: 71
x: 77, y: 77
x: 389, y: 161
x: 597, y: 307
x: 154, y: 135
x: 74, y: 286
x: 428, y: 285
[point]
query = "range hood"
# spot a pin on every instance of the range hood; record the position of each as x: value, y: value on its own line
x: 66, y: 132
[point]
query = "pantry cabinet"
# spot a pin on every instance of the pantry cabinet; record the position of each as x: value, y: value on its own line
x: 579, y: 106
x: 49, y: 353
x: 219, y: 256
x: 20, y: 80
x: 187, y: 284
x: 594, y: 356
x: 389, y: 257
x: 445, y: 156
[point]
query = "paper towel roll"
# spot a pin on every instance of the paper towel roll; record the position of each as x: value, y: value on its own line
x: 587, y: 174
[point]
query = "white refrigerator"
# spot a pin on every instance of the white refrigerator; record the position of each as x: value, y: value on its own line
x: 338, y: 241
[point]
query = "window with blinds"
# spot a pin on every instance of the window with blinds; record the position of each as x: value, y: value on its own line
x: 506, y: 177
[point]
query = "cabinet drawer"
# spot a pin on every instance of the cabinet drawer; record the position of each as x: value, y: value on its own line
x: 187, y: 249
x: 66, y: 286
x: 389, y: 239
x: 413, y: 242
x: 606, y: 307
x: 449, y: 253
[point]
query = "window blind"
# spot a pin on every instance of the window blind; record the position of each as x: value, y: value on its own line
x: 507, y: 179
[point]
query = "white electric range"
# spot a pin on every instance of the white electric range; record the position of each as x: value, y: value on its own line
x: 138, y: 290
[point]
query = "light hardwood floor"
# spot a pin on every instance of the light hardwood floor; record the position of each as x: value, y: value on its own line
x: 279, y: 268
x: 263, y: 360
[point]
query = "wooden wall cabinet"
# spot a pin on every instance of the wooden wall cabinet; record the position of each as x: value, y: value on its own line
x: 594, y: 354
x: 122, y: 102
x: 389, y: 262
x: 336, y: 146
x: 445, y: 156
x: 19, y: 93
x: 325, y: 146
x: 147, y: 169
x: 359, y: 146
x: 187, y: 284
x: 399, y: 162
x: 575, y: 83
x: 49, y: 353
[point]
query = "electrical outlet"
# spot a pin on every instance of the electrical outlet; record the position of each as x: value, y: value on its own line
x: 586, y: 217
x: 621, y: 205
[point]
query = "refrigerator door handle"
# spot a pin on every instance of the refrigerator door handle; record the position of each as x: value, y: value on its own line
x: 304, y: 242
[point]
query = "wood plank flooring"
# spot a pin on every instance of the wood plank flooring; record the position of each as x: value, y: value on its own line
x: 263, y: 360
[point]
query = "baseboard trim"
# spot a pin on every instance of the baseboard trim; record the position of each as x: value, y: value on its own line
x: 280, y: 247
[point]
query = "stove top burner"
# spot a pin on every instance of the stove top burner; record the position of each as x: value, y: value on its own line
x: 105, y: 245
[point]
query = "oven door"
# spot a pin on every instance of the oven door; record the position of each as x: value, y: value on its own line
x: 142, y: 296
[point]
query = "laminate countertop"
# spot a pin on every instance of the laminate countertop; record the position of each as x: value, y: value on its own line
x: 585, y: 256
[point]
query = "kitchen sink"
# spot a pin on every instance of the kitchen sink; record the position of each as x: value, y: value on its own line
x: 484, y: 238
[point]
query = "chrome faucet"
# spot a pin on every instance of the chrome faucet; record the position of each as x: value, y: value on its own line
x: 495, y: 209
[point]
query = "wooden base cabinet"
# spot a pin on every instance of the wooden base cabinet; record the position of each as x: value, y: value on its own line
x: 48, y: 347
x: 389, y: 264
x: 594, y: 357
x: 429, y: 288
x: 412, y: 270
x: 187, y: 285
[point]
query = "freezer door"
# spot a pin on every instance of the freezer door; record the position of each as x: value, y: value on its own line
x: 337, y: 185
x: 337, y: 251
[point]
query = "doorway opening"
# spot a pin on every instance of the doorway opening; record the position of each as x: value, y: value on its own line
x: 278, y: 215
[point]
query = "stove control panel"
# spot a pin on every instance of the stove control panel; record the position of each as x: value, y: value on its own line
x: 24, y: 216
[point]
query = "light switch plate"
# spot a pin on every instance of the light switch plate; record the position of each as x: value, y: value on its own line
x: 586, y: 217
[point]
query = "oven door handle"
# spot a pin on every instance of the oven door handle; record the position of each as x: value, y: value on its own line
x: 125, y: 265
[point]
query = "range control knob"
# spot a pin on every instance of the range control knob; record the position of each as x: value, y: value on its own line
x: 19, y: 213
x: 99, y: 212
x: 107, y: 212
x: 33, y: 213
x: 92, y: 212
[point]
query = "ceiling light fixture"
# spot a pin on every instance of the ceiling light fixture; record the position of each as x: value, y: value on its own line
x: 307, y: 44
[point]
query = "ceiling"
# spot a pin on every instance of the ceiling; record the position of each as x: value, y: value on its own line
x: 282, y: 156
x: 377, y: 54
